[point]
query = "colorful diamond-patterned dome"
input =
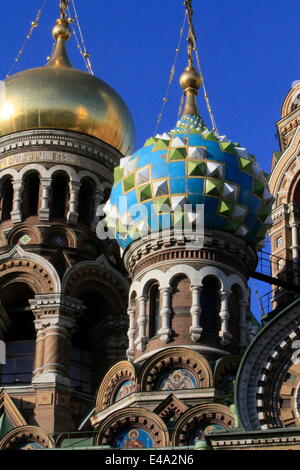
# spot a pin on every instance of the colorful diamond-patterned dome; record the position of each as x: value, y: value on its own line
x: 189, y: 165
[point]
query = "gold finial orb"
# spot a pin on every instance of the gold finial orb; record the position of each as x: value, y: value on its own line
x: 190, y: 79
x: 61, y: 30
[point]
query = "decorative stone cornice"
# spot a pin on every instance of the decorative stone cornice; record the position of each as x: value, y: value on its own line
x: 59, y: 141
x: 218, y: 247
x: 56, y: 306
x: 279, y: 212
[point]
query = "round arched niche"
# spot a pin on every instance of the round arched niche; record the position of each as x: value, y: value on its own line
x: 118, y: 383
x: 27, y: 438
x: 199, y: 421
x: 175, y: 369
x: 133, y: 428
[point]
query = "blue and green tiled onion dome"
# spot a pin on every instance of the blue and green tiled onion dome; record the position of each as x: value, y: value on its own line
x: 190, y: 165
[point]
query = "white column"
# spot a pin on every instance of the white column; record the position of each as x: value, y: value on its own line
x: 97, y: 199
x: 224, y: 315
x: 16, y: 214
x: 165, y: 332
x: 44, y: 212
x: 295, y: 251
x: 142, y: 339
x: 243, y: 324
x: 131, y: 334
x: 72, y: 216
x: 196, y: 329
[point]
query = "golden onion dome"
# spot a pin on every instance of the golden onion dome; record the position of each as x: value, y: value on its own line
x: 58, y: 96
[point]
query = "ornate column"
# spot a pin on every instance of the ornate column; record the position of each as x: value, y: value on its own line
x: 39, y: 348
x: 44, y: 211
x: 243, y: 324
x: 295, y: 250
x: 224, y: 315
x: 165, y: 332
x: 16, y: 214
x: 196, y: 329
x: 72, y: 216
x: 131, y: 334
x: 56, y: 317
x: 97, y: 199
x: 142, y: 339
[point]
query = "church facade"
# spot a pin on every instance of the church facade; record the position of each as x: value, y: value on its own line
x: 142, y: 339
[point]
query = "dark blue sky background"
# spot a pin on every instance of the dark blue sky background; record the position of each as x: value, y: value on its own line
x: 249, y: 52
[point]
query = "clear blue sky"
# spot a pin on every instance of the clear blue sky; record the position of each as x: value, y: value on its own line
x: 249, y: 52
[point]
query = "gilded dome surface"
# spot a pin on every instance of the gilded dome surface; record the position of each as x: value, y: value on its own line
x: 57, y: 96
x: 185, y: 167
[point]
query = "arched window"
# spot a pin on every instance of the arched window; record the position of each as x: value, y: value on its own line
x: 154, y: 310
x: 210, y: 305
x: 85, y: 203
x: 20, y: 337
x: 59, y: 196
x: 94, y: 342
x: 31, y: 193
x: 7, y: 192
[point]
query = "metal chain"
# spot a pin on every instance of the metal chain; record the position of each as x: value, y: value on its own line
x: 171, y: 77
x: 81, y: 44
x: 33, y: 26
x: 206, y: 97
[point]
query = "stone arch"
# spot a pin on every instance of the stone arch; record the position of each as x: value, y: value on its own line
x: 89, y: 242
x: 293, y: 192
x: 133, y: 418
x: 23, y: 437
x: 287, y: 103
x: 32, y: 232
x: 234, y: 279
x: 101, y: 265
x: 88, y: 174
x: 41, y: 170
x: 68, y: 236
x: 213, y: 272
x: 102, y: 328
x: 262, y: 399
x: 73, y: 176
x: 171, y: 359
x: 122, y: 372
x: 183, y: 270
x: 141, y: 286
x: 44, y: 276
x: 10, y: 172
x: 197, y: 419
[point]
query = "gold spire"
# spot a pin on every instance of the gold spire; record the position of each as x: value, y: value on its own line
x: 61, y: 33
x: 190, y: 80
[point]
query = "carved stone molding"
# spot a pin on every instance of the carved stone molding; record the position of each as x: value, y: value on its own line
x: 123, y: 371
x: 134, y: 418
x: 57, y: 141
x: 26, y: 437
x: 218, y: 247
x: 200, y: 417
x: 172, y: 359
